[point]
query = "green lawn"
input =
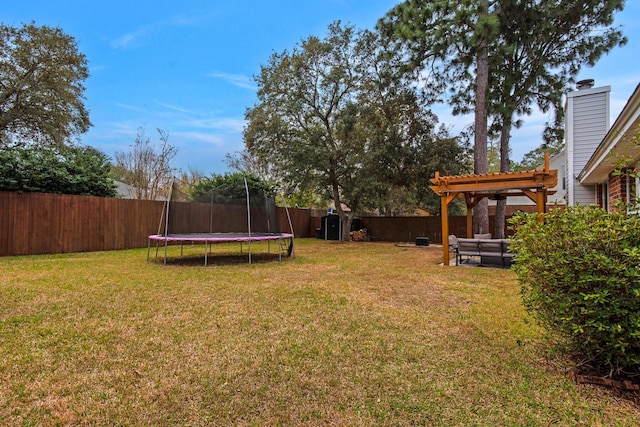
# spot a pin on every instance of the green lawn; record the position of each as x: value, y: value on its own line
x: 344, y: 334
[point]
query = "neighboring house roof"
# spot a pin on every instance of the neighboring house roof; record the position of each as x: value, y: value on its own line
x: 424, y: 212
x: 344, y: 207
x: 125, y: 191
x: 555, y: 162
x: 617, y: 142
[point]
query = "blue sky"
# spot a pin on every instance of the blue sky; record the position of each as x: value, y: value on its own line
x: 186, y: 67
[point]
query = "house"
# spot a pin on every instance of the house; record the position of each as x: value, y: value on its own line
x: 613, y: 165
x: 599, y: 160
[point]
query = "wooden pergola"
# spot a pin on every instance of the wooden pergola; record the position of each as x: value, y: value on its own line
x: 535, y: 184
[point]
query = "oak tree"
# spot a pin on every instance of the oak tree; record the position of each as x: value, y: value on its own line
x: 333, y: 116
x: 42, y: 76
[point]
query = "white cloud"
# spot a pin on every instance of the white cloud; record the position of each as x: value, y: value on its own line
x: 130, y: 107
x: 94, y: 68
x: 183, y: 21
x: 174, y: 117
x: 174, y: 108
x: 235, y: 79
x: 230, y: 125
x: 523, y: 140
x: 200, y: 136
x: 456, y: 124
x: 134, y: 38
x: 128, y: 40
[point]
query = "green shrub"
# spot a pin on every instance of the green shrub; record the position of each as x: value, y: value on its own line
x: 230, y: 186
x: 79, y: 170
x: 580, y: 277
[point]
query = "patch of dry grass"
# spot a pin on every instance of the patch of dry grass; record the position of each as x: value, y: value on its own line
x: 351, y: 334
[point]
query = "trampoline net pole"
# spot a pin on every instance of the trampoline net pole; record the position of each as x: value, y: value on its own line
x: 166, y: 222
x: 246, y: 189
x: 211, y: 214
x: 162, y: 214
x: 166, y: 218
x: 286, y: 209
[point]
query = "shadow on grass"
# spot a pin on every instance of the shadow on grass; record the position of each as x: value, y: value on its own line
x: 219, y: 259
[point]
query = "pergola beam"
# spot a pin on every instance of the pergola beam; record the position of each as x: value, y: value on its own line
x: 521, y: 182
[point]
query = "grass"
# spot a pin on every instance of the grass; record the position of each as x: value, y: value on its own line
x: 345, y: 334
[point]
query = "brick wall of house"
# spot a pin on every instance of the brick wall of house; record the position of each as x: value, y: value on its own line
x: 617, y: 189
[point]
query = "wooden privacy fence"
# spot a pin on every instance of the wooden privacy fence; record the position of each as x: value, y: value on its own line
x: 301, y: 219
x: 406, y: 229
x: 37, y: 223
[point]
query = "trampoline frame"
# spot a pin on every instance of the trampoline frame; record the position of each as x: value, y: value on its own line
x: 210, y: 238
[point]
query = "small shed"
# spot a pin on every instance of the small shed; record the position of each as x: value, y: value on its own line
x: 535, y: 184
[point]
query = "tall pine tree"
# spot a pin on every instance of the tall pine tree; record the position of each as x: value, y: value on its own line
x: 534, y: 50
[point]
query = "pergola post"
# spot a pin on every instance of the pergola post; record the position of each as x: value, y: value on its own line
x: 540, y: 199
x: 471, y: 203
x: 542, y: 203
x: 444, y: 212
x: 444, y: 216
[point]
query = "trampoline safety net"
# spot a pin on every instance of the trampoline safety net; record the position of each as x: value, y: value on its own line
x: 233, y: 212
x: 225, y: 209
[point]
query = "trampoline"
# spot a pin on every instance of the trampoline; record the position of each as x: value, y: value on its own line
x: 285, y: 241
x: 221, y: 216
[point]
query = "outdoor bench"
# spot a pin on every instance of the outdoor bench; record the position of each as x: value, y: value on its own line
x: 490, y: 251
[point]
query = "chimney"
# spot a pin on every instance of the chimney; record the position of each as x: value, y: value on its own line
x: 586, y: 123
x: 585, y: 84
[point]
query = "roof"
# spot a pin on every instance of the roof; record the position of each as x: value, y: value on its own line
x: 125, y: 191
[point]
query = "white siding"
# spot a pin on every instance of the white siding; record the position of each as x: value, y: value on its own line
x: 558, y: 162
x: 588, y: 122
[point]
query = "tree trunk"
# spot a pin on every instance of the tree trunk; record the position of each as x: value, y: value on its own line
x: 480, y: 160
x: 346, y: 227
x: 345, y: 218
x: 505, y: 166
